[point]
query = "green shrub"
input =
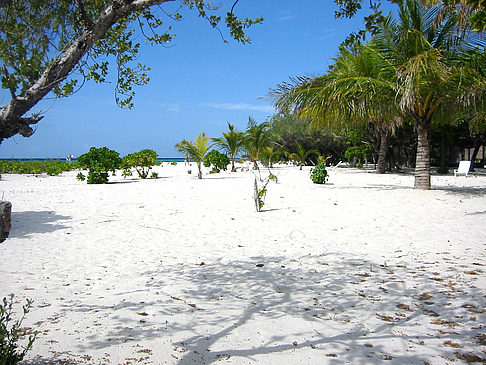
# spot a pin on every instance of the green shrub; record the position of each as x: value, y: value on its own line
x: 141, y: 161
x: 80, y: 176
x: 50, y: 167
x: 318, y: 174
x: 356, y: 154
x: 11, y: 332
x: 99, y: 162
x: 218, y: 160
x: 173, y: 163
x: 56, y: 167
x: 154, y: 175
x: 443, y: 170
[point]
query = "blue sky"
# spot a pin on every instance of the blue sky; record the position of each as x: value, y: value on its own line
x: 197, y: 84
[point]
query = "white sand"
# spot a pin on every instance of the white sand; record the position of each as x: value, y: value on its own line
x: 357, y: 271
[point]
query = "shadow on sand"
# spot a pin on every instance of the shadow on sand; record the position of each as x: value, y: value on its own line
x: 337, y: 305
x: 25, y: 224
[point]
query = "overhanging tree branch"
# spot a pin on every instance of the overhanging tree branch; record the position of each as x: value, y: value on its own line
x: 11, y: 115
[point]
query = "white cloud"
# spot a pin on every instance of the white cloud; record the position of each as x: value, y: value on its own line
x: 240, y: 106
x: 173, y: 108
x: 286, y: 18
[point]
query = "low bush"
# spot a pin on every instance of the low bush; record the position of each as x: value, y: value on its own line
x: 35, y: 167
x: 99, y: 162
x: 356, y: 155
x: 11, y: 332
x: 141, y: 161
x: 218, y: 160
x: 319, y: 174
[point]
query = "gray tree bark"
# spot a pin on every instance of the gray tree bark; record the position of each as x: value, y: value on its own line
x: 12, y: 120
x: 5, y: 219
x: 422, y: 164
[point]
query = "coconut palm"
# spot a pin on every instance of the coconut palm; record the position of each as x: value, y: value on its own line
x: 302, y: 154
x: 232, y: 142
x: 416, y: 75
x: 346, y: 95
x: 195, y: 149
x: 257, y: 137
x: 269, y: 155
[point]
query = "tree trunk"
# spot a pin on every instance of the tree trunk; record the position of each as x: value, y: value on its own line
x: 5, y: 219
x: 381, y: 165
x: 422, y: 162
x: 477, y: 145
x: 12, y: 121
x: 233, y: 168
x: 199, y: 170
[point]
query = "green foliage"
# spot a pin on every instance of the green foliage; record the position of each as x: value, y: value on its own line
x: 196, y: 149
x: 141, y: 161
x: 80, y: 176
x: 302, y: 154
x: 218, y: 160
x: 232, y: 142
x: 50, y: 167
x: 173, y: 163
x: 31, y: 32
x: 357, y: 154
x: 11, y: 332
x: 257, y: 138
x: 126, y: 172
x: 262, y: 193
x: 99, y: 162
x: 318, y: 174
x: 154, y: 175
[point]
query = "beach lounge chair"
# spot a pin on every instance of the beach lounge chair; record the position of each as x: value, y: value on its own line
x: 463, y: 168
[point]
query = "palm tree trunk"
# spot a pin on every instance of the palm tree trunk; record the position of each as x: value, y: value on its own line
x: 199, y: 172
x: 422, y: 162
x: 381, y: 165
x: 233, y: 168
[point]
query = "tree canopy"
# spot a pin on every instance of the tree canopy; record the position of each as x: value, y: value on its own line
x: 55, y: 46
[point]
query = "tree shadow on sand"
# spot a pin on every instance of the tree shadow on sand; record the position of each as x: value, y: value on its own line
x: 27, y: 223
x: 330, y: 305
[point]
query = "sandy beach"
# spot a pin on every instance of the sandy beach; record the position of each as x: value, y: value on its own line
x: 361, y: 270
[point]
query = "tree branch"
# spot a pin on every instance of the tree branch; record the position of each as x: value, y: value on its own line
x: 11, y: 115
x: 84, y: 16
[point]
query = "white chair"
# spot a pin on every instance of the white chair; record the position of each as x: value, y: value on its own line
x: 463, y: 168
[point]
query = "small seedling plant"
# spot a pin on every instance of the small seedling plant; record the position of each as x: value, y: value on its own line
x: 260, y: 192
x: 11, y: 332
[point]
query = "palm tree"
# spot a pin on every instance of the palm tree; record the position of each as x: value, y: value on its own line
x: 346, y: 95
x: 415, y: 74
x: 195, y: 149
x: 257, y: 137
x: 232, y: 142
x: 302, y: 154
x: 269, y: 155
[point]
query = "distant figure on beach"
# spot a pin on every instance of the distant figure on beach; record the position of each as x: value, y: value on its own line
x: 69, y: 158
